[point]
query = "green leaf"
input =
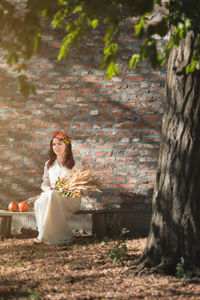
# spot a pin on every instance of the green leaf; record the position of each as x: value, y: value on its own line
x: 68, y: 27
x: 187, y: 23
x: 106, y: 20
x: 114, y: 259
x: 62, y: 2
x: 180, y: 25
x: 133, y: 61
x: 77, y: 9
x: 159, y: 2
x: 139, y: 26
x: 95, y: 23
x: 190, y: 67
x: 26, y: 88
x: 111, y: 70
x: 62, y: 52
x: 44, y: 13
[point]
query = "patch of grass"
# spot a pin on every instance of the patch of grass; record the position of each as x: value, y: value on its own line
x: 118, y: 249
x: 33, y: 295
x: 180, y: 271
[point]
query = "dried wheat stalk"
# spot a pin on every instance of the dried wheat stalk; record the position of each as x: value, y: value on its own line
x: 83, y: 180
x: 79, y: 180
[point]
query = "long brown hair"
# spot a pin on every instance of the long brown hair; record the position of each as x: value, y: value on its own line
x: 69, y: 159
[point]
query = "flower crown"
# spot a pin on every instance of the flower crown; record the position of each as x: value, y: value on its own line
x: 62, y: 135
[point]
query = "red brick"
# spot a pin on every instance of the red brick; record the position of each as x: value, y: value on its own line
x: 117, y: 112
x: 149, y: 132
x: 89, y: 92
x: 121, y: 143
x: 3, y: 105
x: 90, y: 79
x: 68, y: 79
x: 60, y: 105
x: 66, y: 92
x: 108, y: 180
x: 99, y: 153
x: 134, y: 78
x: 106, y: 119
x: 126, y: 133
x: 76, y: 152
x: 43, y: 126
x: 59, y: 98
x: 146, y: 186
x: 150, y: 119
x: 104, y: 133
x: 113, y: 140
x: 150, y: 105
x: 27, y: 112
x: 120, y: 179
x: 82, y: 133
x: 132, y: 180
x: 80, y: 105
x: 7, y: 167
x: 17, y: 106
x: 104, y: 160
x: 125, y: 186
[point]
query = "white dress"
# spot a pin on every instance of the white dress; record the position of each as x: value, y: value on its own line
x: 53, y: 210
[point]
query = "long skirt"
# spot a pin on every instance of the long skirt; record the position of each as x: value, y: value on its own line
x: 52, y: 213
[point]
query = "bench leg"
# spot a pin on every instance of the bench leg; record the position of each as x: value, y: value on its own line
x: 107, y: 224
x: 5, y: 228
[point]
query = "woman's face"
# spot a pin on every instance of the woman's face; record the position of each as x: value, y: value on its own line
x: 58, y: 147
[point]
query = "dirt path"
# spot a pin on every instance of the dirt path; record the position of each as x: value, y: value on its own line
x: 81, y: 270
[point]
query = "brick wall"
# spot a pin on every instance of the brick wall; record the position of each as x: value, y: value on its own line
x: 115, y: 124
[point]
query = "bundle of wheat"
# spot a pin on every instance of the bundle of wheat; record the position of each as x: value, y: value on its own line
x: 32, y: 200
x: 78, y: 182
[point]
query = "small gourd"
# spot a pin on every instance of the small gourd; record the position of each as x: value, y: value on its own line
x: 23, y: 206
x: 13, y: 206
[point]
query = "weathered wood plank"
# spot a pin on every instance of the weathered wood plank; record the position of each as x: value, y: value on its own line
x: 104, y: 222
x: 107, y: 224
x: 81, y: 211
x: 5, y: 226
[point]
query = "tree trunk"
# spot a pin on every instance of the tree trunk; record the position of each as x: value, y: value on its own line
x: 175, y: 224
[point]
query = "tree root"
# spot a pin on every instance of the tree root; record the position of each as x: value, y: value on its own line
x: 167, y: 266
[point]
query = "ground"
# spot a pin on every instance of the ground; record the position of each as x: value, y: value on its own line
x: 82, y: 270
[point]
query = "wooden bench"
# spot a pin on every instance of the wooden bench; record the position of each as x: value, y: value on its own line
x: 104, y: 222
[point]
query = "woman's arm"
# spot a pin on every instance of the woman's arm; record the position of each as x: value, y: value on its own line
x: 45, y: 186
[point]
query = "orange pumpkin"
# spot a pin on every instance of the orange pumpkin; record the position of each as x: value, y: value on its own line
x: 13, y: 206
x: 23, y: 206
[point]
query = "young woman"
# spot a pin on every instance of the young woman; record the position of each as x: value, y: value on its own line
x: 53, y: 210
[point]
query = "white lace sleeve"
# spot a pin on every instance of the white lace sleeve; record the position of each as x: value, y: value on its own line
x: 45, y: 186
x: 78, y: 165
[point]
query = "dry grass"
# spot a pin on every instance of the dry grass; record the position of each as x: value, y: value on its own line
x: 81, y: 270
x: 81, y: 180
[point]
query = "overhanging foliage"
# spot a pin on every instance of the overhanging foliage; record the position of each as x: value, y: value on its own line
x: 21, y: 27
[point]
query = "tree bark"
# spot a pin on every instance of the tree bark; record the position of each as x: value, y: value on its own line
x: 175, y: 224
